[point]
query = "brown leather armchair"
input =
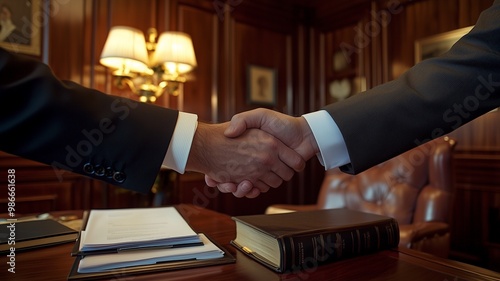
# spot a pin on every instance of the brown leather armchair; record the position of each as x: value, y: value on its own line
x: 414, y: 188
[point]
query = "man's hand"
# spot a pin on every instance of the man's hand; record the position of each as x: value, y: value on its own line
x: 292, y: 131
x: 253, y: 159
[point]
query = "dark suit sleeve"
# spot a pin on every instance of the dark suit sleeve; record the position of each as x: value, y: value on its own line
x: 433, y: 98
x: 73, y: 128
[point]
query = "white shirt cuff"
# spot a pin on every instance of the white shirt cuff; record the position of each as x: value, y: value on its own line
x: 180, y: 144
x: 333, y: 151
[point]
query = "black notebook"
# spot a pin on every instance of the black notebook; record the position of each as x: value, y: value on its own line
x: 25, y: 235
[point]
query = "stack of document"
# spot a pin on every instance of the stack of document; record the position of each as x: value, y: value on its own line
x: 122, y: 238
x: 103, y: 262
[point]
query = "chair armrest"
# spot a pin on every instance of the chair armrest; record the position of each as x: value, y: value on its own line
x: 429, y: 237
x: 412, y: 233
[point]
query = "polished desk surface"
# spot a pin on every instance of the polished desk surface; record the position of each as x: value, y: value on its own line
x: 54, y: 263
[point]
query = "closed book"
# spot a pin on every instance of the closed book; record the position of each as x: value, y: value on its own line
x: 296, y: 241
x: 25, y: 235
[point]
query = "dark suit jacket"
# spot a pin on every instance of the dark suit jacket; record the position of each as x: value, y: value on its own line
x: 428, y: 101
x: 74, y: 128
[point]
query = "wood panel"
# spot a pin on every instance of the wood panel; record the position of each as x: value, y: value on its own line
x: 278, y: 15
x: 482, y: 133
x: 39, y: 188
x: 412, y: 23
x: 66, y: 45
x: 130, y: 13
x: 476, y: 207
x: 255, y: 46
x: 203, y: 27
x: 98, y: 27
x: 342, y: 44
x: 331, y: 15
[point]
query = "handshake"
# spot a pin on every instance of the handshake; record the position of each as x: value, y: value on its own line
x: 255, y: 151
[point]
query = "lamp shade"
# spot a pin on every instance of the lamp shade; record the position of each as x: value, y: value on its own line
x: 125, y: 49
x: 175, y: 51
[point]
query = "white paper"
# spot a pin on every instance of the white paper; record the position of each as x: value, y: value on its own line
x: 129, y: 228
x: 99, y: 263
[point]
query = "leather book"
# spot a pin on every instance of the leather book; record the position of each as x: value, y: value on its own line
x: 296, y: 241
x: 26, y: 235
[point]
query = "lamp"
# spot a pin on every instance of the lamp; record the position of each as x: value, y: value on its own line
x: 149, y: 68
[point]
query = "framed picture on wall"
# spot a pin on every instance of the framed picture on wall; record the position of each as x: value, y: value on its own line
x: 438, y: 44
x: 261, y: 83
x: 21, y: 23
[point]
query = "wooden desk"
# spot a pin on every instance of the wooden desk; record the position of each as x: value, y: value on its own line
x: 54, y: 263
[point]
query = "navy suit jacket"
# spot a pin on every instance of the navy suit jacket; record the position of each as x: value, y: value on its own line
x: 73, y: 128
x: 433, y: 98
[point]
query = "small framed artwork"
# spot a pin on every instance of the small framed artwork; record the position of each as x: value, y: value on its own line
x: 20, y: 26
x: 438, y: 44
x: 261, y: 85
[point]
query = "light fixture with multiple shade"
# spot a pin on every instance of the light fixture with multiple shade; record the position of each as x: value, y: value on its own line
x: 149, y: 68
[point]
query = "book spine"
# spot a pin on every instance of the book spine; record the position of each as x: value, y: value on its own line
x: 307, y: 251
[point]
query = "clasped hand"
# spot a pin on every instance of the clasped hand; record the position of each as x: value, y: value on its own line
x: 263, y: 148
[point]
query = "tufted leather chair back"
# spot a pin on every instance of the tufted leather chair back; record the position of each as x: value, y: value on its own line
x: 413, y: 187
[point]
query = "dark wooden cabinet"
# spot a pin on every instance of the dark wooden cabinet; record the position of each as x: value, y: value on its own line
x: 476, y: 207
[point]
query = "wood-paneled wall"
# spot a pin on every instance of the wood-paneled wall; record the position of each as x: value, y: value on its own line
x: 297, y: 38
